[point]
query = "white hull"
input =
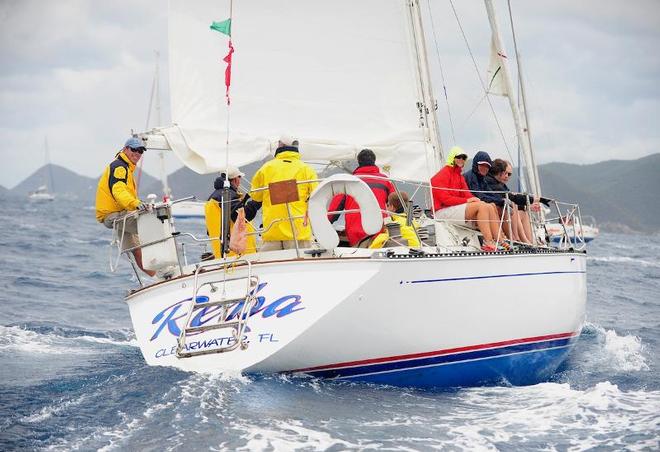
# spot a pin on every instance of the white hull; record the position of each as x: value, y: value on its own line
x: 432, y: 321
x: 188, y: 209
x: 576, y: 234
x: 41, y: 197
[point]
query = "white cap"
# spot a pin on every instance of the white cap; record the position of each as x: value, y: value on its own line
x: 288, y: 140
x: 232, y: 172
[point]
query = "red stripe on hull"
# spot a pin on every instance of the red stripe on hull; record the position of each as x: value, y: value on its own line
x: 437, y: 352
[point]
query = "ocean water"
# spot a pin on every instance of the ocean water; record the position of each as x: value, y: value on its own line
x: 72, y: 376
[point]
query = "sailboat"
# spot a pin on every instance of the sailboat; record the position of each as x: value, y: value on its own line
x: 180, y: 209
x: 42, y: 193
x: 340, y: 76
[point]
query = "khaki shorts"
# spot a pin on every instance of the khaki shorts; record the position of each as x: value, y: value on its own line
x: 284, y: 245
x: 126, y: 229
x: 453, y: 214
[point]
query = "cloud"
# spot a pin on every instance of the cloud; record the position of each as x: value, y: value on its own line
x: 80, y: 73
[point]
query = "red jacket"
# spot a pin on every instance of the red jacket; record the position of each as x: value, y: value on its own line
x: 449, y: 177
x: 381, y: 188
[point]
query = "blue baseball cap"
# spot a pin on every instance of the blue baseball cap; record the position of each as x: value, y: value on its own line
x: 134, y: 143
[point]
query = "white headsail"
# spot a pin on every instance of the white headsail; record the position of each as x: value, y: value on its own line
x: 500, y: 84
x: 339, y: 76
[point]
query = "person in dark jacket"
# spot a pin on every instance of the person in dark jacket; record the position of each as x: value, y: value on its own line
x: 237, y: 200
x: 476, y: 181
x: 496, y: 180
x: 380, y: 186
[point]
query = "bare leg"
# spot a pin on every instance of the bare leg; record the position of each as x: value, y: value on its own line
x: 527, y: 226
x: 481, y: 213
x: 518, y: 233
x: 506, y: 226
x: 138, y: 259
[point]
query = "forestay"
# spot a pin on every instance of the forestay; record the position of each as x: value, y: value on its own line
x: 339, y: 75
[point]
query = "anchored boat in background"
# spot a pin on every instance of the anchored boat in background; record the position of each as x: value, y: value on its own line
x: 42, y: 193
x: 443, y: 314
x: 574, y: 229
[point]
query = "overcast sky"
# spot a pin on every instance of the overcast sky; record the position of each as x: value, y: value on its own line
x: 80, y: 73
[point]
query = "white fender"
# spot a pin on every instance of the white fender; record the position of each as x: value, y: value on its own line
x: 372, y: 217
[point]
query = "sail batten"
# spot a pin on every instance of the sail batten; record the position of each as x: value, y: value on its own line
x: 337, y: 75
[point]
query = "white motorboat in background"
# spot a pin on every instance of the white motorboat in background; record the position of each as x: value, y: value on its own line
x: 188, y: 210
x: 442, y: 314
x: 574, y: 230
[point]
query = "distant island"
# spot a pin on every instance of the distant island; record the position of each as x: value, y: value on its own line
x: 621, y: 194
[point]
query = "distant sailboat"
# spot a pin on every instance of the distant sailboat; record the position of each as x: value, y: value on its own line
x: 181, y: 209
x: 42, y: 193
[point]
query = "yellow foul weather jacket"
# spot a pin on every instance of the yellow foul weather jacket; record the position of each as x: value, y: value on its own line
x: 213, y: 216
x: 116, y: 190
x: 408, y: 236
x: 286, y: 165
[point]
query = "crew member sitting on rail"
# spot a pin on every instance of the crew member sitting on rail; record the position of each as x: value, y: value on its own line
x: 476, y: 181
x: 379, y: 185
x: 116, y: 196
x: 237, y: 201
x: 396, y: 231
x: 499, y: 175
x: 453, y: 201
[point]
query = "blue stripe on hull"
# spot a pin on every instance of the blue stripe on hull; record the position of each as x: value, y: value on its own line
x: 557, y: 239
x: 519, y: 365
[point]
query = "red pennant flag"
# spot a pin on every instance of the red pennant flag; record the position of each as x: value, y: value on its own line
x: 227, y: 60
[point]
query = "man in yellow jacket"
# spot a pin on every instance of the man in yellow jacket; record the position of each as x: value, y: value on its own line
x: 116, y: 195
x: 285, y: 166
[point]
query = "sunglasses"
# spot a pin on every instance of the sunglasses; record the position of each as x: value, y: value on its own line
x: 461, y: 157
x: 139, y: 150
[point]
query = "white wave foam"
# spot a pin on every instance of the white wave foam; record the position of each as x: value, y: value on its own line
x: 289, y: 435
x: 550, y: 412
x: 14, y: 338
x: 623, y: 353
x: 102, y: 340
x: 624, y: 260
x: 48, y: 411
x: 18, y: 339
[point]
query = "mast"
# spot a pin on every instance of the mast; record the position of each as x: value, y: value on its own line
x: 428, y: 105
x: 155, y: 99
x: 526, y: 118
x: 521, y: 132
x: 51, y: 186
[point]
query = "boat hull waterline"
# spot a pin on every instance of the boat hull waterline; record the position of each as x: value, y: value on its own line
x: 441, y: 321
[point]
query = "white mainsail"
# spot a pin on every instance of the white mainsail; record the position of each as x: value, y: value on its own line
x: 337, y: 78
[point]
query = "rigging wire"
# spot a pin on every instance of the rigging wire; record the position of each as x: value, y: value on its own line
x: 442, y: 73
x: 481, y: 81
x: 231, y: 20
x: 515, y: 47
x: 521, y: 96
x: 146, y: 125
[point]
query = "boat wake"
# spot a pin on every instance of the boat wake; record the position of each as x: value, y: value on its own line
x: 554, y: 413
